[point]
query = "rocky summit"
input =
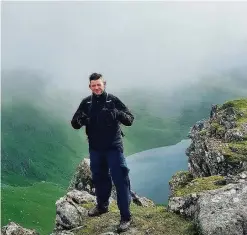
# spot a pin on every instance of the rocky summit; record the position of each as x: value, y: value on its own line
x: 208, y: 199
x: 213, y: 192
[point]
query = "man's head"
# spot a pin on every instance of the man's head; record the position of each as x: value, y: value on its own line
x: 96, y: 83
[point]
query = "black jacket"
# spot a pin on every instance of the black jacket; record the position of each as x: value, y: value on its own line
x: 102, y: 116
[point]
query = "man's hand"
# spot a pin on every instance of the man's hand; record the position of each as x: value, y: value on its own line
x: 83, y: 119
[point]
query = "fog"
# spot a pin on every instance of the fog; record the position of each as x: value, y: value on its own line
x: 158, y: 45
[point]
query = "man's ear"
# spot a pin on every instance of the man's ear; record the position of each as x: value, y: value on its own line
x: 104, y: 83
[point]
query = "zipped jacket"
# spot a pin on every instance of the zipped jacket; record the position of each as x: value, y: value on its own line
x: 102, y: 116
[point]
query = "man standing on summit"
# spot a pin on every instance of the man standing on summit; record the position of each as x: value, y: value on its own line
x: 102, y: 113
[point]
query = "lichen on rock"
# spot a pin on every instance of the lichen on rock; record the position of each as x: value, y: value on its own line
x: 216, y: 196
x: 219, y: 144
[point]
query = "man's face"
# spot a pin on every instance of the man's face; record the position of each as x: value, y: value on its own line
x: 97, y: 86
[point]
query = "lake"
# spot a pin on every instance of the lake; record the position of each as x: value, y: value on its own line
x: 151, y: 170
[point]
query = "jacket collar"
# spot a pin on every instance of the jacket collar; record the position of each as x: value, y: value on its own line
x: 102, y: 96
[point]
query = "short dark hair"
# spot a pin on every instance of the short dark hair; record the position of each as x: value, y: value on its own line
x: 95, y: 76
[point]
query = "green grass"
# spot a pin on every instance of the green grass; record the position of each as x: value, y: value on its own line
x: 198, y: 185
x: 32, y: 207
x: 235, y: 151
x: 155, y: 219
x: 240, y: 104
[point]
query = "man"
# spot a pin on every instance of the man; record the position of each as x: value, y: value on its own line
x: 102, y: 113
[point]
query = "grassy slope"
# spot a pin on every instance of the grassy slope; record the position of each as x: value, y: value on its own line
x: 31, y: 206
x: 37, y: 146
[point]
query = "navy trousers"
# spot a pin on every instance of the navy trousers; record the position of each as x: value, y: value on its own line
x: 108, y: 166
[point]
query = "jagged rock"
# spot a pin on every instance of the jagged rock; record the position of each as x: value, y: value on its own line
x: 180, y: 179
x: 141, y: 201
x: 210, y: 152
x: 69, y: 214
x: 232, y: 135
x: 186, y: 205
x: 82, y: 179
x: 216, y: 212
x: 81, y: 197
x: 15, y: 229
x: 223, y: 211
x: 234, y: 179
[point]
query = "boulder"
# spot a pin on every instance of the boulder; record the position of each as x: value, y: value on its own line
x: 15, y: 229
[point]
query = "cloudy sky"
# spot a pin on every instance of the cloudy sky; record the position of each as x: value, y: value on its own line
x: 155, y: 44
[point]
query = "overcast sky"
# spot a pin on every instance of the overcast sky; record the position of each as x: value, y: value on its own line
x: 159, y: 44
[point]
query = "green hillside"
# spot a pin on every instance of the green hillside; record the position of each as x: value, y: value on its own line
x: 37, y: 146
x: 31, y: 206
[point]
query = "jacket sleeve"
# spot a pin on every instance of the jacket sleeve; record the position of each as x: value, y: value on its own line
x: 79, y: 119
x: 123, y: 113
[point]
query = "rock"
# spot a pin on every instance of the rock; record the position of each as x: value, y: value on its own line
x: 210, y: 152
x: 180, y: 179
x: 15, y: 229
x: 216, y: 197
x: 223, y: 211
x: 82, y: 179
x: 108, y: 233
x: 141, y: 201
x: 69, y: 214
x: 219, y: 211
x: 234, y: 135
x: 184, y: 205
x: 81, y: 197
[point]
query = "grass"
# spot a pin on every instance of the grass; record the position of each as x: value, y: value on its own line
x: 235, y: 151
x: 149, y: 220
x: 32, y: 207
x: 240, y: 104
x: 198, y: 185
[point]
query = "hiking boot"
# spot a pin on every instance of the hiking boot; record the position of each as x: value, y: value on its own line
x: 124, y: 225
x: 96, y: 211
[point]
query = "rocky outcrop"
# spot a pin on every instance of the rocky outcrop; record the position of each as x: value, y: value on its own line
x: 219, y: 144
x: 223, y: 211
x: 69, y: 212
x: 15, y: 229
x: 82, y: 179
x: 72, y: 209
x: 214, y: 190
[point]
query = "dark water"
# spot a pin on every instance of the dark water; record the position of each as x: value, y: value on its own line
x: 151, y: 170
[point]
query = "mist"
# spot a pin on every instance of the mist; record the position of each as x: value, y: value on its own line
x: 152, y: 45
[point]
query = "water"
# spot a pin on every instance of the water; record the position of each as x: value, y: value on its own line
x: 151, y: 170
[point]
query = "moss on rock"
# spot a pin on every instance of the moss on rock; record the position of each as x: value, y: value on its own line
x: 238, y: 103
x: 235, y: 151
x: 199, y: 185
x: 180, y: 179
